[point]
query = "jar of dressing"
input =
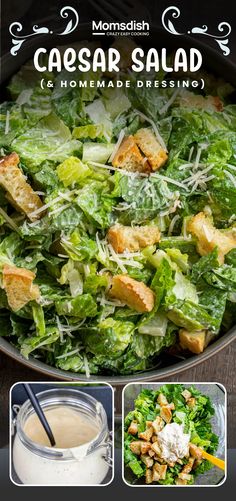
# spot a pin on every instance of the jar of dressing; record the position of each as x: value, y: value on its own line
x: 83, y: 451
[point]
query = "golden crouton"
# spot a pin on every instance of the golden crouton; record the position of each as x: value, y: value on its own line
x: 132, y: 238
x: 162, y: 400
x: 148, y: 476
x: 185, y: 476
x: 147, y: 434
x: 158, y: 424
x: 193, y: 341
x: 209, y: 237
x: 19, y: 192
x: 156, y: 448
x: 145, y: 458
x: 19, y: 287
x: 145, y: 447
x: 188, y: 467
x: 151, y: 148
x: 148, y: 424
x: 129, y: 157
x: 154, y: 438
x: 161, y: 470
x: 186, y: 394
x: 195, y: 451
x: 180, y: 481
x: 133, y: 293
x: 135, y: 447
x: 151, y: 453
x: 209, y: 103
x: 155, y: 475
x: 166, y: 413
x: 133, y: 428
x: 191, y: 402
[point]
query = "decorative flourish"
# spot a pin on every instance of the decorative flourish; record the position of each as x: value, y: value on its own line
x: 221, y: 40
x: 17, y: 27
x: 70, y: 26
x: 18, y: 40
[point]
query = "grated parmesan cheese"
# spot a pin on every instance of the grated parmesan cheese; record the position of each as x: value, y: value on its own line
x: 7, y: 125
x: 117, y: 145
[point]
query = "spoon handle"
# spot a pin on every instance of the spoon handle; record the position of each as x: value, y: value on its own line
x: 37, y: 407
x: 216, y: 461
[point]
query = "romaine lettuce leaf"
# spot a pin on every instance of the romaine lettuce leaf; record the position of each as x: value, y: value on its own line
x: 50, y: 139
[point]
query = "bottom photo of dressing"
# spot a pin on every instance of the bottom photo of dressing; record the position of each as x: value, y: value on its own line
x: 61, y: 434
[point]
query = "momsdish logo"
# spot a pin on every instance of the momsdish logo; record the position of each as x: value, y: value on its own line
x: 131, y: 28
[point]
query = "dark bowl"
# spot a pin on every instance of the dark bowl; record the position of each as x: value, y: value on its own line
x: 214, y: 62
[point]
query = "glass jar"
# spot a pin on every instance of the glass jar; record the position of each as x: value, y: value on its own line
x: 87, y: 464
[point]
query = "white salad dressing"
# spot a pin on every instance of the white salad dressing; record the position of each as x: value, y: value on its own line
x: 77, y: 458
x: 70, y: 428
x: 174, y: 442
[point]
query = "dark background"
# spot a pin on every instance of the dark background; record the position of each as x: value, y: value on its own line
x: 192, y: 13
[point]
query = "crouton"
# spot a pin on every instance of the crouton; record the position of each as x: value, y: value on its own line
x: 135, y: 447
x: 151, y: 453
x: 191, y: 402
x: 132, y: 238
x: 145, y: 458
x: 133, y: 293
x: 155, y: 475
x: 151, y: 148
x: 186, y: 394
x: 19, y: 192
x: 19, y: 287
x: 129, y: 157
x: 145, y: 447
x: 185, y: 476
x: 161, y: 470
x: 195, y: 451
x: 154, y: 438
x: 158, y: 424
x: 209, y: 103
x: 147, y: 434
x: 180, y: 481
x: 133, y: 428
x: 209, y: 237
x: 166, y: 413
x: 148, y: 476
x: 156, y: 448
x: 162, y: 400
x: 193, y: 341
x: 188, y: 467
x: 148, y: 424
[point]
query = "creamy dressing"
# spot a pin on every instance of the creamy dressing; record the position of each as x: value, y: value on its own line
x: 69, y: 427
x: 74, y: 434
x: 174, y: 443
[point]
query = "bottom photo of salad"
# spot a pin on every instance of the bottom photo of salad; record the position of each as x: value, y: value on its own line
x: 174, y: 434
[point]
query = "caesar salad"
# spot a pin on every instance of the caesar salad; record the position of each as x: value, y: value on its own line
x: 167, y: 436
x: 117, y: 220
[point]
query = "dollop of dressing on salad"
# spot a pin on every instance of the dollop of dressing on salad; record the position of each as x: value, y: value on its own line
x: 174, y: 442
